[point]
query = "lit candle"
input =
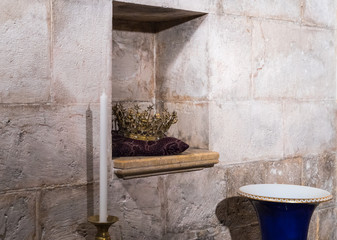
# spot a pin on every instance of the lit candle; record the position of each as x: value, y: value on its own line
x: 103, y: 178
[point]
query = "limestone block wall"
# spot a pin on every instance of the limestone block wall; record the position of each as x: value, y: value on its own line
x: 55, y: 61
x: 254, y: 81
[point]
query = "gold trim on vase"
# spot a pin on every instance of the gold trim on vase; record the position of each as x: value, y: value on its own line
x: 285, y: 200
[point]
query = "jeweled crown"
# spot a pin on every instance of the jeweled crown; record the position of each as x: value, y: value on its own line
x: 143, y: 125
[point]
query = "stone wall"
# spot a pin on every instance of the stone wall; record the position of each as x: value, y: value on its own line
x: 252, y: 81
x: 55, y: 61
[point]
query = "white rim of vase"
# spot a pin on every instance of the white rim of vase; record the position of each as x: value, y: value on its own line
x: 285, y: 200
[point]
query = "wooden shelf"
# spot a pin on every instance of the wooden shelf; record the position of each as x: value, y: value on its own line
x: 190, y: 160
x: 145, y: 18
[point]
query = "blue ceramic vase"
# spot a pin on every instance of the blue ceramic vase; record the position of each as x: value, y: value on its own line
x: 284, y: 211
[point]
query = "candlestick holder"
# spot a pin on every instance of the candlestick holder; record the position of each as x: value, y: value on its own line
x: 102, y: 227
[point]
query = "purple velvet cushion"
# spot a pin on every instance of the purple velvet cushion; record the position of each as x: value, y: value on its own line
x: 122, y: 146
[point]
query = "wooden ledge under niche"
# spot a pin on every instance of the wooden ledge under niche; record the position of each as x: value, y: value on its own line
x: 190, y: 160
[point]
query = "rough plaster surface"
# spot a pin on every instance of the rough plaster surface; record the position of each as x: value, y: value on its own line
x: 313, y: 135
x: 141, y: 208
x: 168, y: 207
x: 286, y: 10
x: 320, y: 171
x: 185, y: 207
x: 299, y: 65
x: 287, y: 171
x: 246, y: 131
x: 217, y: 233
x: 255, y: 82
x: 326, y: 227
x: 182, y: 62
x: 320, y: 13
x: 24, y: 61
x: 196, y: 134
x: 17, y: 216
x: 44, y: 145
x: 240, y: 175
x: 229, y: 46
x: 81, y: 50
x: 133, y: 62
x: 64, y: 213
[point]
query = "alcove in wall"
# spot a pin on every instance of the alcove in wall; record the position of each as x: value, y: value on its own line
x: 156, y: 60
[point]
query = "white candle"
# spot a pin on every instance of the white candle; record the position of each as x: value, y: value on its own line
x: 103, y: 178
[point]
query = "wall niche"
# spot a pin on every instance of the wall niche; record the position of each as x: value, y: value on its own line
x: 156, y: 61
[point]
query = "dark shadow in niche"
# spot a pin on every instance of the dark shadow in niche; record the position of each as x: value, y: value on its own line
x: 149, y: 27
x: 150, y: 19
x: 238, y: 214
x: 85, y: 229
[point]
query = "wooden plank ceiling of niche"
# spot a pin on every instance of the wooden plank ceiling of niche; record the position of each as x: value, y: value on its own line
x: 145, y: 18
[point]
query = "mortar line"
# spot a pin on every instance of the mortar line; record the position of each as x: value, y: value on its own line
x: 277, y: 99
x: 302, y: 7
x: 297, y: 22
x: 51, y: 52
x: 50, y: 187
x: 283, y: 129
x: 252, y: 87
x: 155, y: 70
x: 37, y: 215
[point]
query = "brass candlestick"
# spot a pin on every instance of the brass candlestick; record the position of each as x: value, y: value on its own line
x: 102, y: 227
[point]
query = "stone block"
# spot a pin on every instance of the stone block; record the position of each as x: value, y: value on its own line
x: 236, y: 212
x: 133, y: 66
x: 309, y: 128
x: 244, y: 174
x: 141, y: 207
x: 286, y: 10
x: 64, y: 212
x: 287, y: 171
x: 320, y: 171
x: 192, y: 198
x: 17, y: 216
x: 216, y: 233
x: 319, y: 12
x: 182, y: 62
x: 223, y: 234
x: 24, y: 62
x: 82, y: 46
x: 246, y: 131
x: 249, y: 232
x: 238, y: 215
x: 49, y: 145
x: 301, y: 64
x: 206, y: 6
x: 229, y: 49
x: 193, y: 123
x: 327, y: 223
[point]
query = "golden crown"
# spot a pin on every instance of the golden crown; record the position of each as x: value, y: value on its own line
x: 142, y: 125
